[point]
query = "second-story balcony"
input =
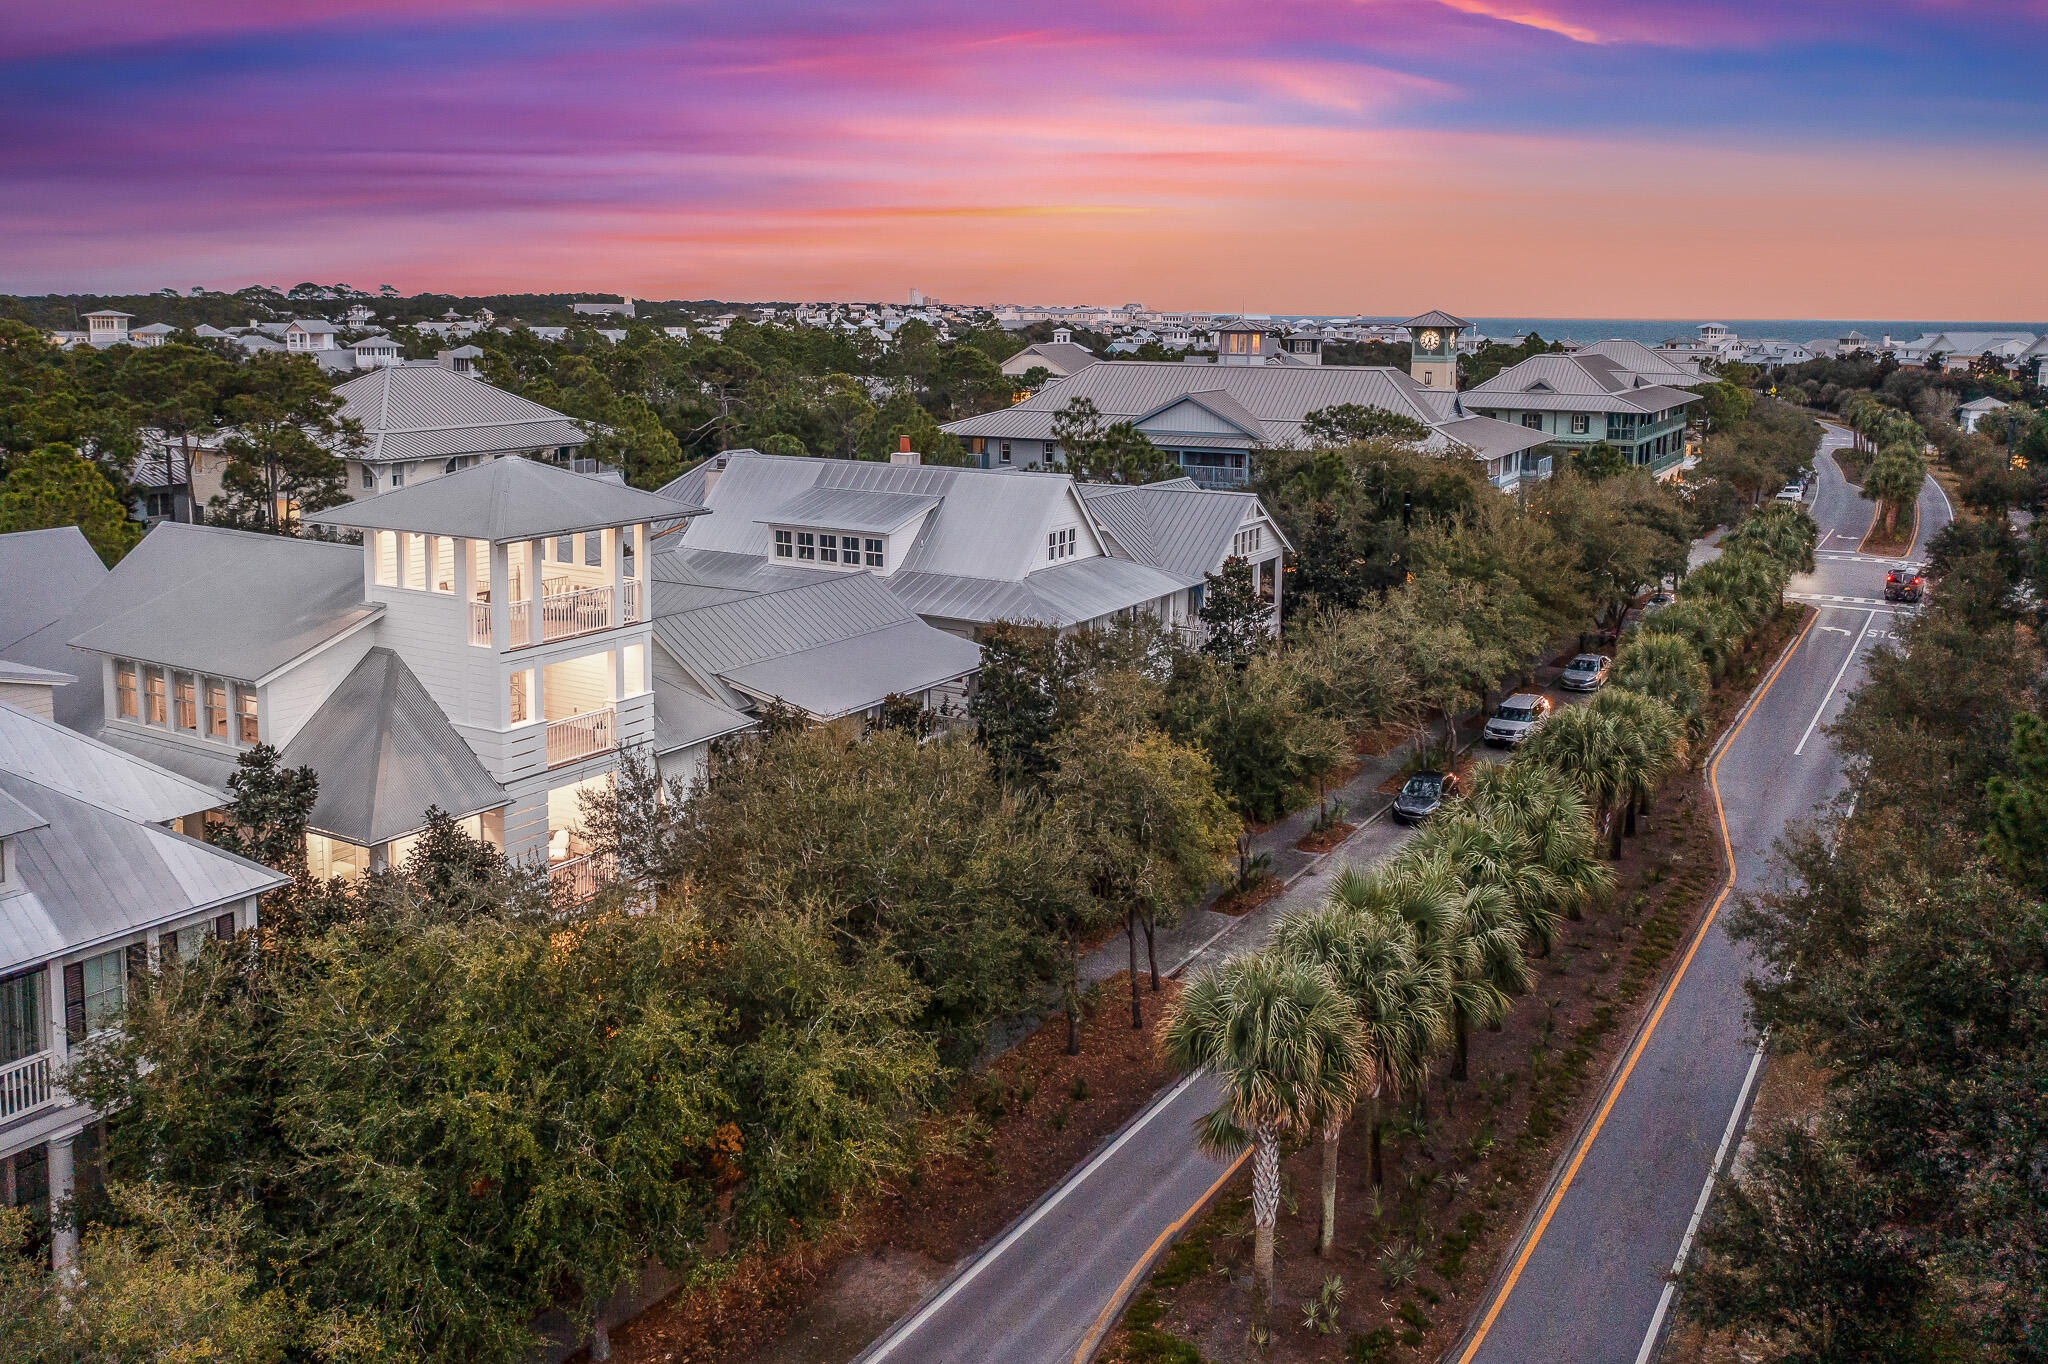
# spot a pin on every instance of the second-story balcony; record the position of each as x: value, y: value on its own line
x: 27, y: 1084
x: 577, y: 737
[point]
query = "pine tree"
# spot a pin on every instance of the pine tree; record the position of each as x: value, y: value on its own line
x: 1239, y: 620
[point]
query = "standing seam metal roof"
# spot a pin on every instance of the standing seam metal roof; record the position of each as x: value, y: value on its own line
x: 385, y: 752
x: 90, y: 769
x: 420, y: 411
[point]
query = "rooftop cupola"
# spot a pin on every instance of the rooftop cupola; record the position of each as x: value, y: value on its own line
x: 1241, y: 343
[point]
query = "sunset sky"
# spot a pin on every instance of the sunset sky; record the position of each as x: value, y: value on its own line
x: 1607, y: 158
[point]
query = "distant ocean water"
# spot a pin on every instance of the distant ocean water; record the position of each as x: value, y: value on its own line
x: 1654, y: 330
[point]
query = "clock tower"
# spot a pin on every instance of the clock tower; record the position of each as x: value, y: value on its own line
x: 1433, y: 349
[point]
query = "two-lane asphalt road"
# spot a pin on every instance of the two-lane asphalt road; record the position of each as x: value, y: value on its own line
x: 1585, y: 1283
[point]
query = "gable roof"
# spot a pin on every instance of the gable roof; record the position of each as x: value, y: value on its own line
x: 1275, y: 398
x: 47, y: 572
x: 1586, y: 380
x: 233, y: 603
x: 1182, y: 531
x: 829, y: 647
x: 90, y: 769
x: 1217, y: 402
x: 385, y: 752
x: 1643, y: 362
x: 503, y: 500
x: 1066, y: 357
x: 422, y: 411
x: 989, y: 525
x: 95, y: 874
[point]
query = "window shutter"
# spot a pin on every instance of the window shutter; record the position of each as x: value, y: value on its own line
x: 74, y: 1002
x: 138, y: 964
x: 224, y: 927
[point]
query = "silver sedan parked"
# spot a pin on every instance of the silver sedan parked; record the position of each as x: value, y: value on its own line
x: 1587, y: 672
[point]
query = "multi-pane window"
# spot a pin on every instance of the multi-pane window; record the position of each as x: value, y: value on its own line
x: 785, y: 544
x: 1006, y: 452
x: 1247, y: 542
x: 106, y: 989
x: 216, y: 708
x: 828, y: 548
x: 184, y: 691
x: 1059, y: 544
x: 1533, y: 420
x: 153, y: 696
x: 245, y: 714
x: 21, y: 1016
x: 369, y: 479
x: 806, y: 545
x: 874, y: 553
x: 1582, y: 424
x: 398, y: 475
x: 124, y: 690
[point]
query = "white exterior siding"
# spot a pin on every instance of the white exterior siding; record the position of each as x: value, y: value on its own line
x: 290, y: 700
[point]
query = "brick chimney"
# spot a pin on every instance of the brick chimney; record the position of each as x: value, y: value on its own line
x: 904, y: 454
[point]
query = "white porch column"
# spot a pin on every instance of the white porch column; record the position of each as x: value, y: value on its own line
x: 1274, y: 565
x: 63, y: 1231
x: 501, y: 599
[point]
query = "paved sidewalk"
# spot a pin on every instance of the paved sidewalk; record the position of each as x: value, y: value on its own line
x: 1199, y: 927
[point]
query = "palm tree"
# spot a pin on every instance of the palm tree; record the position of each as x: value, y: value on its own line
x: 1655, y: 741
x: 1491, y: 852
x: 1668, y: 667
x: 1894, y: 479
x: 1551, y: 812
x: 1473, y: 932
x: 1405, y: 1015
x: 1285, y: 1045
x: 1588, y: 746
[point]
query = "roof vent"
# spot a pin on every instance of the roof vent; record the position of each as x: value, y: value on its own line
x: 904, y: 454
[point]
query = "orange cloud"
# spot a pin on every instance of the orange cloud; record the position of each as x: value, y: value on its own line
x: 1536, y: 19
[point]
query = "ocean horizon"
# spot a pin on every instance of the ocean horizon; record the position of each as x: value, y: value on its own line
x: 1652, y: 330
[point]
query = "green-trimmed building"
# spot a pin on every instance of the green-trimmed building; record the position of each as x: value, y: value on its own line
x: 1621, y: 392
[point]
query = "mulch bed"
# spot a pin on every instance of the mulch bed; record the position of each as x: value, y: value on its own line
x: 1327, y: 839
x: 1236, y: 904
x: 1029, y: 1119
x: 1461, y: 1174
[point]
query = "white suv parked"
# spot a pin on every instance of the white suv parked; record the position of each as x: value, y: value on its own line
x: 1518, y: 718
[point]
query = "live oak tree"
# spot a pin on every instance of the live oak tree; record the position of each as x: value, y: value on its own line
x: 1143, y: 815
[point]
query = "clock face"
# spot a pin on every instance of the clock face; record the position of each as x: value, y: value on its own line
x: 1430, y: 340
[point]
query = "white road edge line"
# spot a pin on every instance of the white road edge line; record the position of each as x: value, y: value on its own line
x: 994, y: 1252
x: 1855, y: 648
x: 1699, y: 1209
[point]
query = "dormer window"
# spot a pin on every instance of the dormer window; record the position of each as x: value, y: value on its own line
x: 806, y: 545
x: 828, y: 548
x: 1060, y: 544
x: 785, y: 544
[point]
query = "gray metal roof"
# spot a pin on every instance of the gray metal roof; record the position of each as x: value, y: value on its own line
x: 1064, y: 356
x: 1587, y: 380
x: 385, y: 752
x: 1489, y: 438
x: 1436, y: 317
x: 1183, y: 531
x: 731, y: 573
x: 91, y: 769
x: 422, y: 411
x: 29, y: 675
x: 233, y: 603
x: 1276, y: 398
x: 851, y: 675
x: 682, y: 717
x: 991, y: 526
x: 16, y: 818
x: 209, y: 765
x: 851, y: 509
x: 1644, y: 361
x: 1084, y: 589
x: 505, y: 499
x: 47, y: 572
x: 95, y: 875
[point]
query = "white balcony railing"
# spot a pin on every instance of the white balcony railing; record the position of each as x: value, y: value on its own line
x: 576, y: 880
x: 579, y: 736
x: 480, y: 623
x: 579, y: 611
x: 26, y: 1085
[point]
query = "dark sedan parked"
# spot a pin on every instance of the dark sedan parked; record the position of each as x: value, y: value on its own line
x: 1422, y: 795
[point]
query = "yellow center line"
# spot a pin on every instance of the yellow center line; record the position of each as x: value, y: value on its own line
x: 1101, y: 1325
x: 1670, y: 989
